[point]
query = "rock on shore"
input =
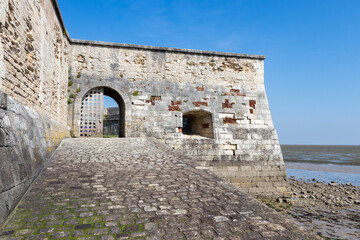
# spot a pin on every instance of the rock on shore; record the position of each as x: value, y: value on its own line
x: 331, y: 194
x: 331, y: 210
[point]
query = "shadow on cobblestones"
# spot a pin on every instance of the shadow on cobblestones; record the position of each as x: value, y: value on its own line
x: 138, y: 189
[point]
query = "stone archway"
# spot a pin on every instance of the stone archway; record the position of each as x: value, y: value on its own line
x: 88, y: 111
x: 92, y: 111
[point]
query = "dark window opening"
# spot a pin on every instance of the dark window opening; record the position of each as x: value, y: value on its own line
x: 198, y: 123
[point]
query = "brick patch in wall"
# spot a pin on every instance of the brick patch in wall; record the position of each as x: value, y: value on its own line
x: 200, y: 89
x: 252, y: 103
x: 174, y: 108
x: 226, y: 104
x: 198, y: 104
x: 234, y: 92
x: 229, y: 120
x: 237, y: 92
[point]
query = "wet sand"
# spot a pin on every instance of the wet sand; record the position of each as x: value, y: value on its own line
x: 324, y: 172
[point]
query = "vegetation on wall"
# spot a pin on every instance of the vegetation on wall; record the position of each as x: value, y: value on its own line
x: 135, y: 93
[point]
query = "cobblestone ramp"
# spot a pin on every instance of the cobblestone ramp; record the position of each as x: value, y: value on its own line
x: 138, y: 189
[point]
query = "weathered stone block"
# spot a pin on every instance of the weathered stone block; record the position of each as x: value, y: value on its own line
x: 2, y: 138
x: 243, y: 184
x: 3, y: 100
x: 228, y: 175
x: 266, y: 168
x: 233, y: 168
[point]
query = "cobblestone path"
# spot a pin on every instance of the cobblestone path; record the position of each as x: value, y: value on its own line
x: 137, y: 189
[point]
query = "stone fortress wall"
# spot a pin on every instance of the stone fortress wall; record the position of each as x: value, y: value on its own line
x: 33, y: 93
x: 211, y: 106
x: 222, y: 93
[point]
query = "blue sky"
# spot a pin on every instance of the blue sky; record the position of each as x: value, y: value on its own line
x: 312, y: 49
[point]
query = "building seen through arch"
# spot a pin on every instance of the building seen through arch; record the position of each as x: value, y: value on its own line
x: 111, y: 121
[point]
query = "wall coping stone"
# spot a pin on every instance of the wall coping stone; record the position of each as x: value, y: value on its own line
x: 163, y: 49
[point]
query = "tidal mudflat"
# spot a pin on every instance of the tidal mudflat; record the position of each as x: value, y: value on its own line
x: 325, y: 189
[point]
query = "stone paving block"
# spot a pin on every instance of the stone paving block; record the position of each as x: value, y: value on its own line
x: 78, y: 233
x: 87, y: 238
x: 71, y: 222
x: 107, y: 237
x: 114, y: 230
x: 97, y: 231
x: 53, y: 223
x: 122, y: 236
x: 56, y: 235
x: 11, y: 238
x: 64, y: 228
x: 46, y: 230
x: 86, y: 214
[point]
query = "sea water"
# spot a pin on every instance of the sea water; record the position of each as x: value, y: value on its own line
x: 324, y: 163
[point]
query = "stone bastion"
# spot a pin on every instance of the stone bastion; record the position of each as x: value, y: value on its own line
x: 211, y: 106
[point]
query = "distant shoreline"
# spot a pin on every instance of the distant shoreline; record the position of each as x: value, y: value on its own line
x: 325, y: 157
x: 340, y: 168
x: 321, y: 162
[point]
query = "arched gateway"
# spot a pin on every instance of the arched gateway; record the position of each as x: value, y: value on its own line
x: 92, y: 112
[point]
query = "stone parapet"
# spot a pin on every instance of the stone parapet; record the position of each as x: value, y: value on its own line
x: 162, y: 49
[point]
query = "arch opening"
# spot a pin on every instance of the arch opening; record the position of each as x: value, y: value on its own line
x: 93, y: 123
x: 198, y: 123
x: 111, y: 118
